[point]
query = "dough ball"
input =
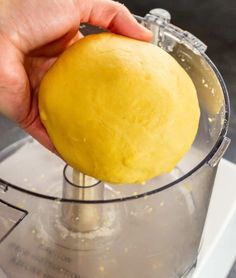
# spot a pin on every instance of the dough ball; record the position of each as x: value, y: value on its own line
x: 119, y: 109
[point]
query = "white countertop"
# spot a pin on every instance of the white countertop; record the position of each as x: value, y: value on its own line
x: 218, y: 250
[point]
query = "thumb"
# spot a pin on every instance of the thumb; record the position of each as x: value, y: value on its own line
x: 112, y: 16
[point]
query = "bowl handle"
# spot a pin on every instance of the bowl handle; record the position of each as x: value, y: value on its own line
x: 10, y: 218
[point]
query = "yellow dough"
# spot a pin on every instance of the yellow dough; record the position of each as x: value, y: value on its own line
x: 119, y: 109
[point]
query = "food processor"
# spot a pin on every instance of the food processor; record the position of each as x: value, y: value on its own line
x: 55, y: 222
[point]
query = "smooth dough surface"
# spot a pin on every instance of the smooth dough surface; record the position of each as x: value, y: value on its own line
x: 118, y: 109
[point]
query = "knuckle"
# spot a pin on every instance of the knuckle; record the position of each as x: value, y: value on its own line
x: 114, y: 8
x: 118, y: 7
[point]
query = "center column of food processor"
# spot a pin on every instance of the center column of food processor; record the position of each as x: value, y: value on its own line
x: 81, y: 216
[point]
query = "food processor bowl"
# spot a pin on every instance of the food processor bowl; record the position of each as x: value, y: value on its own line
x: 53, y: 224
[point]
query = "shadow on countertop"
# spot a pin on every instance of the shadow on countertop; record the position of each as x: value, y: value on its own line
x: 212, y: 21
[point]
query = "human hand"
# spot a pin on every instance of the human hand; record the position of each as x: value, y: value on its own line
x: 32, y: 35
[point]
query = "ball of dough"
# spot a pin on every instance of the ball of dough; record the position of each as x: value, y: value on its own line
x: 119, y: 109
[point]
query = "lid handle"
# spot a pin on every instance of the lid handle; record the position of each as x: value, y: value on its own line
x: 166, y: 35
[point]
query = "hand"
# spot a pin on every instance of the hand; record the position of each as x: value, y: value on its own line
x: 32, y: 35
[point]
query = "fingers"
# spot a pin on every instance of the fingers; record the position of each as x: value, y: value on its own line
x: 38, y: 131
x: 112, y: 16
x: 55, y: 48
x: 33, y: 125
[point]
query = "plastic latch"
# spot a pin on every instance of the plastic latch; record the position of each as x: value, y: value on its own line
x: 220, y: 152
x: 161, y: 15
x: 158, y: 21
x: 3, y: 186
x: 193, y: 42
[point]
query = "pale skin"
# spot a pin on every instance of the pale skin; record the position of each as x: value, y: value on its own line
x: 32, y: 35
